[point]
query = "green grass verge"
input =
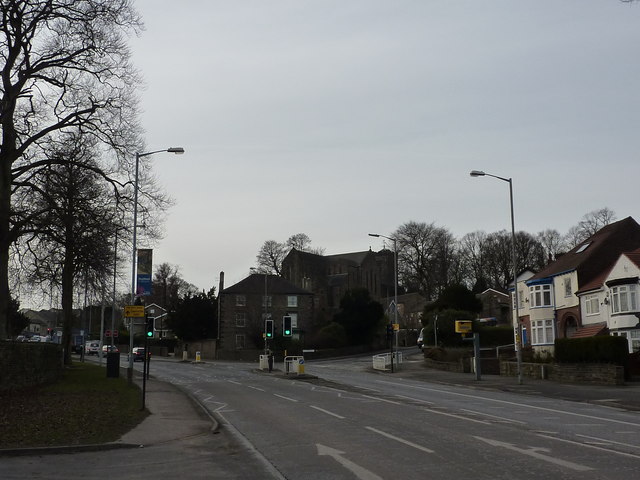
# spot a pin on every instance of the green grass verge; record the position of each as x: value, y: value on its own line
x: 84, y: 407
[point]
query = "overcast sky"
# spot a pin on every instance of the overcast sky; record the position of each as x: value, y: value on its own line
x: 340, y: 118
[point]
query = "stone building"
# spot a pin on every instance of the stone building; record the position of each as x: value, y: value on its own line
x: 243, y: 308
x: 330, y: 276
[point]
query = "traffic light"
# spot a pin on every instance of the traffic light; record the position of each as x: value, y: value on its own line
x: 268, y: 328
x: 287, y: 331
x: 149, y: 327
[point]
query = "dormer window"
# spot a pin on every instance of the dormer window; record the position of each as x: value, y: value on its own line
x: 583, y: 247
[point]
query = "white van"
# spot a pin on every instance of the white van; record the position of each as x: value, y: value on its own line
x: 421, y: 339
x: 92, y: 347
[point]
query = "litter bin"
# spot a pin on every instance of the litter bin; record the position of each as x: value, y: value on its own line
x: 113, y: 364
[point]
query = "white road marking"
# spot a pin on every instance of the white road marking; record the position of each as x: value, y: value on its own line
x: 256, y: 388
x: 328, y: 412
x: 419, y: 400
x: 535, y: 453
x: 460, y: 417
x: 381, y: 399
x: 608, y: 441
x: 494, y: 416
x: 518, y: 405
x: 401, y: 440
x: 286, y: 398
x: 235, y: 383
x: 591, y: 446
x: 360, y: 472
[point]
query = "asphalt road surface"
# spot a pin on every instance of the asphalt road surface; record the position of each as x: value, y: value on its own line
x: 352, y: 423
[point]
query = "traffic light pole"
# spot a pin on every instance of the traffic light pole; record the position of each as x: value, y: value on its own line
x: 144, y: 370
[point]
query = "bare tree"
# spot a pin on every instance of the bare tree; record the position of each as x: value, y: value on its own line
x: 64, y: 65
x: 590, y: 223
x: 270, y: 257
x: 595, y: 220
x: 552, y: 242
x: 472, y: 249
x: 72, y: 235
x: 169, y: 287
x: 272, y: 253
x: 424, y: 257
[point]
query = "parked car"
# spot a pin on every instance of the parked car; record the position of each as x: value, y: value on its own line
x: 109, y: 349
x: 92, y: 348
x: 138, y: 354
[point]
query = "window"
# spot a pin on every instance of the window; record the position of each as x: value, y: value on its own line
x: 623, y: 298
x: 240, y: 341
x: 567, y: 287
x: 292, y: 301
x: 241, y: 301
x: 634, y: 335
x: 240, y: 319
x: 294, y: 319
x: 540, y: 295
x: 542, y: 332
x: 592, y: 304
x: 583, y: 247
x: 266, y: 301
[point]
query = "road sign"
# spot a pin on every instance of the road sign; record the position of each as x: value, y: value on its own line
x: 463, y: 326
x: 115, y: 333
x: 396, y: 327
x: 107, y: 333
x: 134, y: 311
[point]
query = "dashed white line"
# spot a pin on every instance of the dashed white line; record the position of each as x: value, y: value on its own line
x: 401, y: 440
x: 328, y: 412
x: 286, y: 398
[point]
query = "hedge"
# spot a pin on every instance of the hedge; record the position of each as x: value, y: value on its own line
x: 598, y: 349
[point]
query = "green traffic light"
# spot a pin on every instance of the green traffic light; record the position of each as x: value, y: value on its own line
x: 287, y: 332
x: 149, y: 334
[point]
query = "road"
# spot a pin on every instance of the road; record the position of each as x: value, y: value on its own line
x: 352, y: 423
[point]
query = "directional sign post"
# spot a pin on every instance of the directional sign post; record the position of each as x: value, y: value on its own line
x: 134, y: 311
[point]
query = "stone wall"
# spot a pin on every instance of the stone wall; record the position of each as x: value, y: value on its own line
x: 596, y: 373
x: 24, y: 365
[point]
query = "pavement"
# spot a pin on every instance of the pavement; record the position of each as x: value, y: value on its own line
x: 175, y: 415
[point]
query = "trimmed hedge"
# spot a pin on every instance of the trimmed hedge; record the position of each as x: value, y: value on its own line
x: 598, y: 349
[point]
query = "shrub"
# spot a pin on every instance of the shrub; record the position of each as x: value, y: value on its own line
x: 332, y: 335
x: 598, y: 349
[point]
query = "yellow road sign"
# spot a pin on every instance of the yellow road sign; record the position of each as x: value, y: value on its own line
x: 463, y: 326
x: 134, y: 311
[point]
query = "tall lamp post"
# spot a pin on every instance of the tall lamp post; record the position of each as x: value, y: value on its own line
x: 395, y: 289
x: 176, y: 150
x: 516, y: 326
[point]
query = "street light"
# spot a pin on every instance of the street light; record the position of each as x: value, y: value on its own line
x: 176, y: 150
x: 516, y: 326
x: 395, y: 294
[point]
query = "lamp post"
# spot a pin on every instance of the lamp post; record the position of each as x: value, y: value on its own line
x: 395, y: 289
x: 176, y: 150
x: 516, y: 326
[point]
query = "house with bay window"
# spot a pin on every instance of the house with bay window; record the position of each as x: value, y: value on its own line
x: 611, y: 303
x: 565, y: 298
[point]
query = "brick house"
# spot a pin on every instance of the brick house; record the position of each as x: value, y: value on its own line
x: 550, y: 301
x: 245, y: 305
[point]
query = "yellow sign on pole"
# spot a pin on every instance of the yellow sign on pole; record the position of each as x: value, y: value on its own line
x: 396, y: 327
x: 134, y: 311
x: 463, y: 326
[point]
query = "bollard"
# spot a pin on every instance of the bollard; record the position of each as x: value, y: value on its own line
x: 197, y: 357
